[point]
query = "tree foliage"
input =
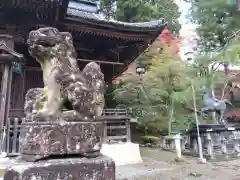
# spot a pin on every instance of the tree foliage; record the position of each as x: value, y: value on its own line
x: 216, y: 20
x: 142, y: 10
x: 107, y: 8
x: 154, y: 95
x: 167, y: 86
x: 110, y: 102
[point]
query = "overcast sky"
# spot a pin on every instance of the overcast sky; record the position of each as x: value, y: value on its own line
x: 187, y: 33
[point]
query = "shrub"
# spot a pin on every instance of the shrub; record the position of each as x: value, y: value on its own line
x: 150, y: 140
x: 169, y: 137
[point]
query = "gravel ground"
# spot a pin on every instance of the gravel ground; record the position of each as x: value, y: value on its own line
x: 160, y: 165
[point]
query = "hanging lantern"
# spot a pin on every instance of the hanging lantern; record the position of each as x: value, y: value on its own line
x: 17, y: 68
x: 139, y: 68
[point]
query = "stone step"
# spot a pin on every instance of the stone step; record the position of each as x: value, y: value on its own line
x: 4, y: 163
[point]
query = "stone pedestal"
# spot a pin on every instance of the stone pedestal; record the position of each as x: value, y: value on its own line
x: 60, y: 138
x: 42, y: 138
x: 100, y: 168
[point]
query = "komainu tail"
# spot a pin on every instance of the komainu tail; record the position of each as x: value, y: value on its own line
x: 96, y: 80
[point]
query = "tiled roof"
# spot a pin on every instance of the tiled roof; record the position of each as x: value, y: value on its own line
x: 77, y: 11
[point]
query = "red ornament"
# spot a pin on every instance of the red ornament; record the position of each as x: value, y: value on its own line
x: 116, y: 81
x: 167, y: 37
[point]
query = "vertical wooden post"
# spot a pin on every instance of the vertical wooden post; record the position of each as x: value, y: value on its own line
x: 5, y: 103
x: 23, y: 88
x: 236, y: 142
x: 105, y: 132
x: 7, y: 57
x: 164, y: 142
x: 238, y: 5
x: 128, y: 126
x: 209, y: 145
x: 15, y: 134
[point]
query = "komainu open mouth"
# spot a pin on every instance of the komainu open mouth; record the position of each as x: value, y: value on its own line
x: 45, y: 41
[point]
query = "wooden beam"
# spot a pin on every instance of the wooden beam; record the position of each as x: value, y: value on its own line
x: 116, y: 137
x: 117, y: 127
x: 29, y: 68
x: 8, y: 59
x: 102, y: 32
x: 101, y: 62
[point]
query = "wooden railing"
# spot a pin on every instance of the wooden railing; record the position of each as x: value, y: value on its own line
x: 115, y: 112
x: 106, y: 112
x: 117, y: 131
x: 117, y: 125
x: 117, y: 128
x: 12, y: 135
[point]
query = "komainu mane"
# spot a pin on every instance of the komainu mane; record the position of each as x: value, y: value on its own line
x: 65, y: 86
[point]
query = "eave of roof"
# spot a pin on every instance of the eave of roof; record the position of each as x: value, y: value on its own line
x: 100, y: 31
x: 77, y: 15
x: 33, y: 4
x: 130, y: 62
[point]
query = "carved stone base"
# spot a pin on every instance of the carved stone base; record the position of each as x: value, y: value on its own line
x: 219, y: 142
x: 100, y: 168
x: 43, y: 139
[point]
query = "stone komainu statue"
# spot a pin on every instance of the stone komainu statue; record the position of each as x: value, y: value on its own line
x: 60, y: 118
x: 65, y: 86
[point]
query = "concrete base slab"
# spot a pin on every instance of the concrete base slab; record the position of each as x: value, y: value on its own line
x: 100, y: 168
x: 123, y: 153
x: 3, y: 155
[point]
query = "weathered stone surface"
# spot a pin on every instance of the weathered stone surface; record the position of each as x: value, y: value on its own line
x: 30, y: 100
x: 43, y: 139
x: 95, y: 78
x: 61, y: 117
x: 64, y: 83
x: 100, y: 168
x: 69, y: 116
x: 218, y: 141
x: 74, y: 116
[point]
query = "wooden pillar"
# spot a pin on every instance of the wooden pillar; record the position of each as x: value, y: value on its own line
x: 7, y: 57
x: 5, y: 102
x: 128, y: 126
x: 105, y: 136
x: 23, y: 87
x: 238, y: 5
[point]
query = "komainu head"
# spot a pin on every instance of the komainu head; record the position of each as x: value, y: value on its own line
x: 49, y: 42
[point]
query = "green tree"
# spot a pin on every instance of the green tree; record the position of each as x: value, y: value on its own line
x: 215, y: 80
x: 216, y: 20
x: 163, y: 95
x: 107, y: 8
x: 155, y: 97
x: 110, y: 102
x: 142, y: 10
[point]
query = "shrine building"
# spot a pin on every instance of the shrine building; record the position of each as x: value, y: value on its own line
x: 112, y: 44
